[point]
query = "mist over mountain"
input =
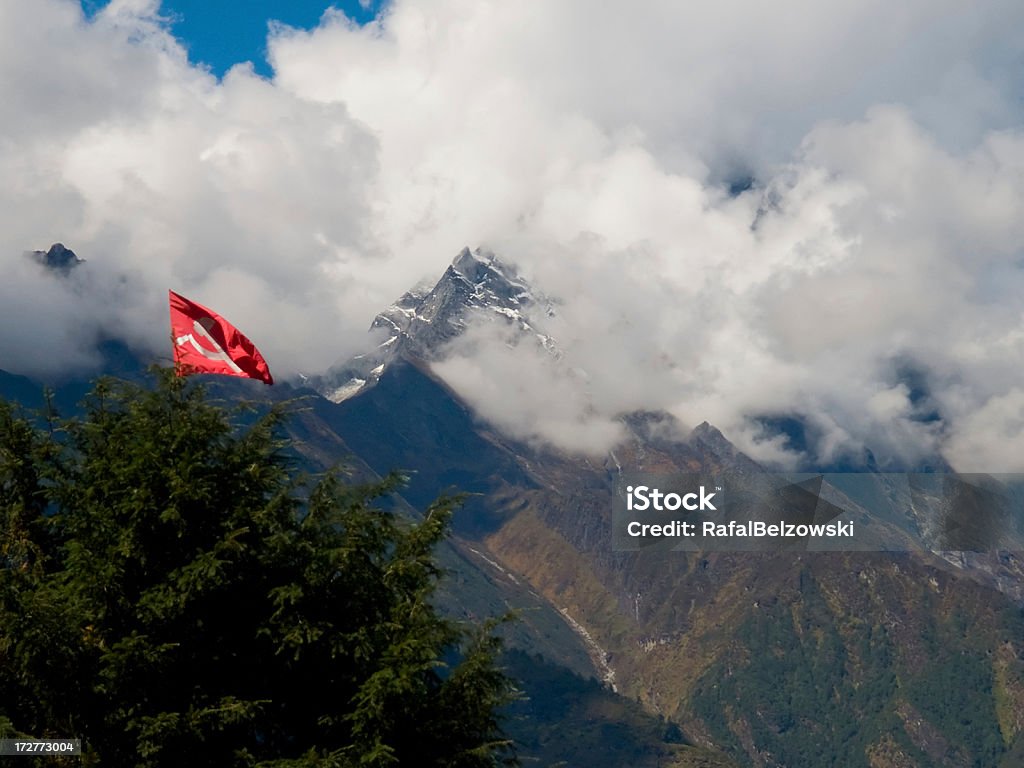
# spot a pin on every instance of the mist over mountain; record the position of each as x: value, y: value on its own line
x: 778, y: 242
x: 57, y: 258
x: 506, y: 349
x: 491, y: 336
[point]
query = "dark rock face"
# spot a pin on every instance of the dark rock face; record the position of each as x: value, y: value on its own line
x: 58, y: 258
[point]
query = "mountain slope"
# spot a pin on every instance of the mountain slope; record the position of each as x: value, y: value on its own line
x: 779, y: 659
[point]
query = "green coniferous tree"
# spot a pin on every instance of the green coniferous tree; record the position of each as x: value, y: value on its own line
x: 171, y: 595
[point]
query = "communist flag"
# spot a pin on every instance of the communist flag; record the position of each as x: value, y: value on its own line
x: 204, y: 342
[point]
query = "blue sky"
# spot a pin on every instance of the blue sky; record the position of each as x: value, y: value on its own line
x: 222, y: 33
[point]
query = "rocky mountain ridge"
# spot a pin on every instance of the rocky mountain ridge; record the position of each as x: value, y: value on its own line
x: 476, y: 287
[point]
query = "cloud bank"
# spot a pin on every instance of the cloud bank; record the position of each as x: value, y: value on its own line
x: 750, y: 212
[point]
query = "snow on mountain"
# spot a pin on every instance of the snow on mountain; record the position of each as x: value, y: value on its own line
x: 476, y: 288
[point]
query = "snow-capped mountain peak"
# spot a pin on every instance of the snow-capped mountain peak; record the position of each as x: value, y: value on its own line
x: 477, y: 287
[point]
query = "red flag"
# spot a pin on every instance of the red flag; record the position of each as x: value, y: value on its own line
x: 204, y: 342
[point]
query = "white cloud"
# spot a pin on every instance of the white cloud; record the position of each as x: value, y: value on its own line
x: 588, y: 142
x: 986, y: 436
x: 518, y: 386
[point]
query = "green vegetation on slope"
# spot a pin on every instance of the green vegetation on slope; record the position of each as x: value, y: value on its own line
x: 795, y: 659
x: 809, y: 690
x: 563, y: 719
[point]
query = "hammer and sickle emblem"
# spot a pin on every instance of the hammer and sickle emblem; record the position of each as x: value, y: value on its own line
x: 201, y: 327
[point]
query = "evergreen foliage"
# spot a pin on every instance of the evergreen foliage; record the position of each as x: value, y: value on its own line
x: 172, y: 593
